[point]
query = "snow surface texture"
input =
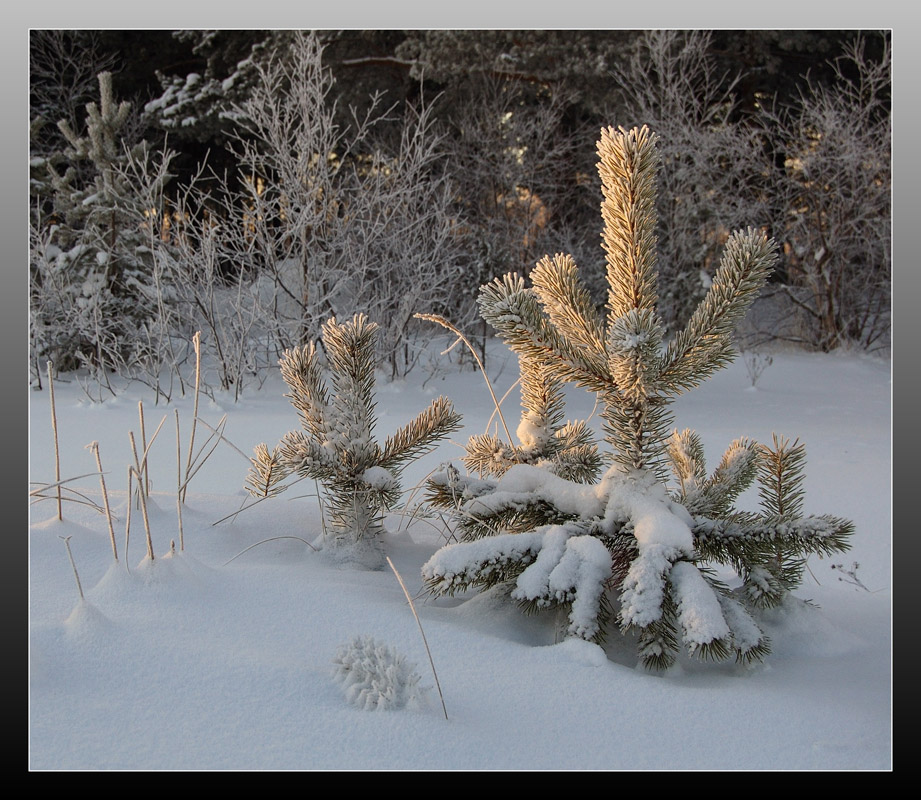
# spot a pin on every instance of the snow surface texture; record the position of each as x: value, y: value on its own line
x: 219, y: 656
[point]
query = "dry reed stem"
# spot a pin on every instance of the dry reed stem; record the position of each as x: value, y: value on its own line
x: 144, y: 447
x: 219, y: 433
x: 179, y: 483
x: 105, y: 499
x: 272, y: 539
x: 137, y: 462
x: 136, y: 470
x: 45, y: 486
x: 196, y: 342
x: 73, y: 564
x: 54, y: 430
x: 80, y: 499
x: 140, y: 464
x: 412, y: 607
x: 128, y: 518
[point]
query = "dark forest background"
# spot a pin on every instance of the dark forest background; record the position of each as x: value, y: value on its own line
x: 250, y: 184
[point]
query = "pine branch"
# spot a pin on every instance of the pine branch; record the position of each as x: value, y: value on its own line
x: 306, y: 456
x: 742, y: 538
x: 714, y: 496
x: 748, y: 640
x: 628, y: 162
x: 301, y: 372
x: 484, y: 563
x: 733, y: 475
x: 567, y: 302
x: 781, y: 475
x: 267, y: 471
x: 350, y: 348
x: 633, y: 343
x: 657, y: 643
x: 637, y: 431
x: 412, y: 440
x: 488, y: 455
x: 686, y: 457
x: 765, y: 585
x: 542, y: 410
x: 516, y: 315
x: 699, y: 612
x: 705, y: 344
x: 577, y: 463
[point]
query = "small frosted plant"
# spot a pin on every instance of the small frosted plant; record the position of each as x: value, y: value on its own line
x: 631, y: 547
x: 336, y: 444
x: 566, y: 449
x: 755, y: 364
x: 375, y: 677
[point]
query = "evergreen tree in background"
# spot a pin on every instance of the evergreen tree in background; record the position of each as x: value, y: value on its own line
x: 626, y: 545
x: 92, y: 222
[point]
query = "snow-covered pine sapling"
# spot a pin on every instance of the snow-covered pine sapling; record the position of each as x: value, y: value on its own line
x: 336, y: 444
x: 565, y: 449
x: 627, y: 533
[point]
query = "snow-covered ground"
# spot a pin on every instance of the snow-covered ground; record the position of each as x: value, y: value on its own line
x: 221, y: 656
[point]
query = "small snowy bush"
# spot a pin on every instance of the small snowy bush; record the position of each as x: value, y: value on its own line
x: 631, y: 544
x: 375, y: 677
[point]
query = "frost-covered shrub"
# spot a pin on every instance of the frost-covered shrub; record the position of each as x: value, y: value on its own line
x: 834, y: 183
x: 629, y: 547
x: 336, y: 444
x: 374, y: 677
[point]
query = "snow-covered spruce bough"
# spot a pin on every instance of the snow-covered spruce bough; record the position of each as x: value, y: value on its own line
x: 628, y: 548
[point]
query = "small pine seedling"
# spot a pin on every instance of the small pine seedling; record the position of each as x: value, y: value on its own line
x: 336, y: 444
x: 375, y: 677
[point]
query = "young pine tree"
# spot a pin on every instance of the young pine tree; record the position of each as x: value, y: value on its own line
x: 626, y: 546
x: 336, y: 444
x: 567, y: 450
x: 92, y: 285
